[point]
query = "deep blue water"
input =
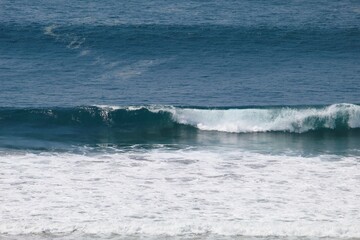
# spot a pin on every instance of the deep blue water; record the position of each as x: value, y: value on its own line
x: 232, y: 53
x: 240, y: 112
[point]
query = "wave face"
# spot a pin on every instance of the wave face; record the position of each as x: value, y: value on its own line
x: 46, y: 128
x: 235, y: 120
x: 286, y: 119
x: 310, y: 130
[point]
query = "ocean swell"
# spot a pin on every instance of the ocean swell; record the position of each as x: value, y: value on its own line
x: 235, y: 120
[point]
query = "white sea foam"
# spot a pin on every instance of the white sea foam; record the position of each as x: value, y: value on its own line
x: 72, y: 41
x: 152, y: 108
x: 171, y: 192
x: 263, y: 120
x: 109, y: 107
x: 136, y: 69
x: 49, y: 30
x: 84, y: 52
x: 260, y: 120
x: 76, y: 43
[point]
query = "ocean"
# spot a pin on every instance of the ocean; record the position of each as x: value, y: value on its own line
x: 180, y: 120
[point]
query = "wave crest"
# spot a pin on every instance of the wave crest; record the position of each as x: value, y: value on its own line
x: 299, y: 120
x: 236, y: 120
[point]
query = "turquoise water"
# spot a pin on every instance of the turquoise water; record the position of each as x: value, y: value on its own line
x: 179, y: 120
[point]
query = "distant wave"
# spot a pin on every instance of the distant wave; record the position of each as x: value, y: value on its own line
x: 193, y: 38
x: 235, y: 120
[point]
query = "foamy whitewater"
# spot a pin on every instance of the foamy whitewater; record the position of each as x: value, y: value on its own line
x: 266, y: 120
x: 180, y: 120
x: 186, y: 192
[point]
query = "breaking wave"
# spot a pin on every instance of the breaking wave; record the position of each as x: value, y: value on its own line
x: 285, y: 119
x: 235, y: 120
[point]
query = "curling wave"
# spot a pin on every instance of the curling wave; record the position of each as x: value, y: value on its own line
x: 285, y: 119
x: 236, y: 120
